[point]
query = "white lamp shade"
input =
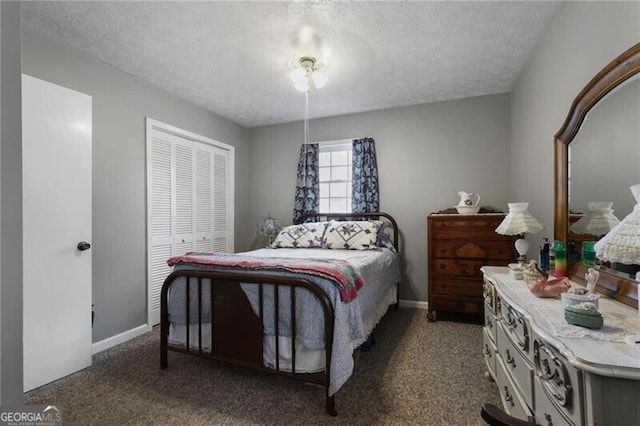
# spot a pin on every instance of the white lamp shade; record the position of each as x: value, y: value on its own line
x: 302, y: 86
x: 298, y: 74
x: 598, y: 220
x: 518, y: 221
x: 319, y: 79
x: 622, y: 243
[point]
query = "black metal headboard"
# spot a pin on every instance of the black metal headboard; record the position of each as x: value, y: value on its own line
x: 317, y: 217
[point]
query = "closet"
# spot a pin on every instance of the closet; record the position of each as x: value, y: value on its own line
x: 189, y: 200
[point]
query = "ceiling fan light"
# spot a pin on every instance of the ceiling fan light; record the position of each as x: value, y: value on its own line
x: 319, y: 79
x: 298, y: 74
x: 302, y: 85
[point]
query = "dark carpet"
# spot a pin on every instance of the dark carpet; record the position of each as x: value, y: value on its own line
x: 417, y: 373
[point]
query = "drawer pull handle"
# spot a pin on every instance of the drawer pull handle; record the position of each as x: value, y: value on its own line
x: 489, y: 322
x: 487, y: 351
x: 510, y: 360
x: 508, y: 397
x: 547, y: 417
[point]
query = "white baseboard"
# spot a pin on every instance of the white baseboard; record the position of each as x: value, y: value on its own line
x: 413, y: 304
x: 119, y: 338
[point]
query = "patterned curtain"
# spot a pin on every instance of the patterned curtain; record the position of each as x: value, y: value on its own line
x: 365, y: 194
x: 307, y: 199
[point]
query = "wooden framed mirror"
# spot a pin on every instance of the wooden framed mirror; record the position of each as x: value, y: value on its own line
x: 616, y: 76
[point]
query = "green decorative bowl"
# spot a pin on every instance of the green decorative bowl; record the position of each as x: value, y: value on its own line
x: 584, y: 315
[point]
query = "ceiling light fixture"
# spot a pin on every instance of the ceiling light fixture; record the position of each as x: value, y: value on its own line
x: 308, y: 72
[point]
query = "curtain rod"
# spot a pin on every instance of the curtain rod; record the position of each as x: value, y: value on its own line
x: 339, y: 140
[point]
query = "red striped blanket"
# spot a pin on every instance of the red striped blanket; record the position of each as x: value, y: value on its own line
x: 345, y: 276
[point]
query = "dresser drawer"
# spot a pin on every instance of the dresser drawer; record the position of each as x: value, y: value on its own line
x: 557, y: 382
x: 512, y: 400
x: 546, y: 412
x: 458, y: 288
x: 520, y: 370
x: 489, y: 352
x: 474, y: 249
x: 489, y: 294
x: 461, y: 268
x: 456, y: 303
x: 490, y: 323
x: 516, y: 327
x: 472, y: 227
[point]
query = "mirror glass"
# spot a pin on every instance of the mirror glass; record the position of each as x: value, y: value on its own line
x: 604, y: 157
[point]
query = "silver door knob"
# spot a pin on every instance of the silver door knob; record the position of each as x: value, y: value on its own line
x: 83, y: 245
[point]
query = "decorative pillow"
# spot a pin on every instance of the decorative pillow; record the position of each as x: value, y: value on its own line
x: 384, y: 237
x: 305, y: 235
x: 352, y: 235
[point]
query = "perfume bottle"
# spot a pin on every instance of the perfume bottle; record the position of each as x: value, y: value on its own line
x: 544, y: 256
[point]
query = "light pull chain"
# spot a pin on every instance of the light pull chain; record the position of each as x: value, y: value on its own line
x: 306, y: 117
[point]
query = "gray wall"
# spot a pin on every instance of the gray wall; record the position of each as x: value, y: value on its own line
x: 426, y: 154
x: 10, y: 206
x: 120, y: 104
x: 584, y: 38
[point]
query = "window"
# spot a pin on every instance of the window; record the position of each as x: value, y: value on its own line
x: 335, y: 177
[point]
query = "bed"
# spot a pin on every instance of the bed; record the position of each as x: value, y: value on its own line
x: 300, y: 308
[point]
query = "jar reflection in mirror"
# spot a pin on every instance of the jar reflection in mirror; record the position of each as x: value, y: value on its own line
x: 596, y: 222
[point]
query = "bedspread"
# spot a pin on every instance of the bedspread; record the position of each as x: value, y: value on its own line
x: 342, y: 273
x: 348, y: 325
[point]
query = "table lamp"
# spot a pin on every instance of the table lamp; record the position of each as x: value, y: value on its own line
x: 268, y: 227
x: 517, y: 222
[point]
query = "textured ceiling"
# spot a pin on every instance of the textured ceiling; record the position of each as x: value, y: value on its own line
x: 233, y: 58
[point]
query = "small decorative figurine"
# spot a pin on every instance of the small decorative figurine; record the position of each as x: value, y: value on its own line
x: 546, y: 287
x: 592, y: 278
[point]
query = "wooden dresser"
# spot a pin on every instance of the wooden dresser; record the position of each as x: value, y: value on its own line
x: 458, y: 246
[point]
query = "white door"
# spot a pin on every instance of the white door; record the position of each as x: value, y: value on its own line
x: 56, y: 161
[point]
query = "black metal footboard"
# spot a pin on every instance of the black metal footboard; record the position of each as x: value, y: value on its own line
x: 216, y: 299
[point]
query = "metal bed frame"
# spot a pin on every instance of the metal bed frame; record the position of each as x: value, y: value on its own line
x: 237, y: 333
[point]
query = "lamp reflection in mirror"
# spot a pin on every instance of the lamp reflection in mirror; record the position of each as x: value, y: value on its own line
x: 518, y: 222
x: 598, y: 220
x: 268, y: 227
x: 622, y: 243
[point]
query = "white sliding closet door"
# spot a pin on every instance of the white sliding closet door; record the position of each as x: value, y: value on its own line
x: 190, y: 200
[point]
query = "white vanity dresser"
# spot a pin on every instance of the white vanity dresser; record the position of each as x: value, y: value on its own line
x: 557, y: 372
